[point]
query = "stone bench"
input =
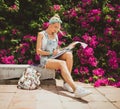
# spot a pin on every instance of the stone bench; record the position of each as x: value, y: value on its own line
x: 11, y: 71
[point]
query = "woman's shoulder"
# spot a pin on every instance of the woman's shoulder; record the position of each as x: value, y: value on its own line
x: 41, y: 33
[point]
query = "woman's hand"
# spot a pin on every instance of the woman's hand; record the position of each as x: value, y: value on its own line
x: 72, y: 45
x: 56, y: 51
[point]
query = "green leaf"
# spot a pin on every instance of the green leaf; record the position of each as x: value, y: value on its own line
x: 111, y: 79
x: 14, y: 41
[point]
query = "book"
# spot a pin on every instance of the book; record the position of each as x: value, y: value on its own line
x: 68, y: 48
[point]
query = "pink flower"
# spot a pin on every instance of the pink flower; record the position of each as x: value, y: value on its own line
x: 3, y: 52
x: 14, y: 31
x: 24, y: 47
x: 86, y: 2
x: 23, y: 51
x: 88, y: 52
x: 60, y: 43
x: 92, y: 61
x: 30, y: 38
x: 93, y: 42
x: 90, y: 79
x: 84, y: 70
x: 26, y: 37
x: 73, y: 13
x: 95, y: 12
x: 98, y: 72
x: 76, y: 71
x: 94, y: 15
x: 97, y: 18
x: 20, y: 59
x: 117, y: 84
x: 61, y: 34
x: 118, y: 8
x: 14, y: 7
x: 56, y: 7
x: 113, y: 62
x: 30, y: 62
x: 101, y: 82
x: 91, y: 19
x: 45, y: 25
x: 118, y: 19
x: 118, y: 15
x: 111, y: 53
x: 83, y: 61
x: 80, y: 19
x: 86, y: 37
x: 8, y: 60
x: 33, y: 38
x: 94, y: 18
x: 37, y: 57
x: 84, y: 24
x: 109, y: 31
x: 111, y: 7
x: 76, y: 38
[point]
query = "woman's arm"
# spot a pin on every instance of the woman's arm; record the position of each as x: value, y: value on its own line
x: 39, y: 51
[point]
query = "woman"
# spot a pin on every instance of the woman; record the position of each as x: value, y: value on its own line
x: 47, y: 46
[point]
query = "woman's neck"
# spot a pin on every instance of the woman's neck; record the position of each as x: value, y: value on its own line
x: 51, y: 35
x: 49, y: 32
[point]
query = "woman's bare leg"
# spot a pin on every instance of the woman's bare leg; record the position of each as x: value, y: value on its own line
x: 60, y: 64
x: 68, y: 57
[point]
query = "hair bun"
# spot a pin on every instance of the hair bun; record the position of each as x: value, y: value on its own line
x: 56, y: 15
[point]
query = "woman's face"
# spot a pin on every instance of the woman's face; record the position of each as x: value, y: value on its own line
x: 55, y: 27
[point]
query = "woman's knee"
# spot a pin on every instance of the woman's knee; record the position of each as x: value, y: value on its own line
x: 69, y: 55
x: 61, y: 64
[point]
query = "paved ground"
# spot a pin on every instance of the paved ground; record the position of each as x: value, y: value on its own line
x: 51, y: 96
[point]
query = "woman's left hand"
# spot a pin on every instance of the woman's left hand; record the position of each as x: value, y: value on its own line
x: 72, y: 45
x: 56, y: 51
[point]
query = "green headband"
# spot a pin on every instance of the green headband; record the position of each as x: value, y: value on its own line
x: 55, y: 19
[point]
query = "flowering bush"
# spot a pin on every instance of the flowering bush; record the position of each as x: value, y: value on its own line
x: 94, y: 22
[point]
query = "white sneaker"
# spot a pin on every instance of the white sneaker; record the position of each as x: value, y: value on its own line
x: 81, y: 92
x: 67, y: 87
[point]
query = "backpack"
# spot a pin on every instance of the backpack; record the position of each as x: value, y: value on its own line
x: 30, y: 79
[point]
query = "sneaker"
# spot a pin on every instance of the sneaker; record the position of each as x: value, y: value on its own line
x: 67, y: 87
x: 81, y: 92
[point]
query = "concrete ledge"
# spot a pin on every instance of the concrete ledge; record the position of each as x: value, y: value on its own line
x: 9, y: 71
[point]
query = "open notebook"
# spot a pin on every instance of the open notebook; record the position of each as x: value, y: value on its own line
x: 68, y: 48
